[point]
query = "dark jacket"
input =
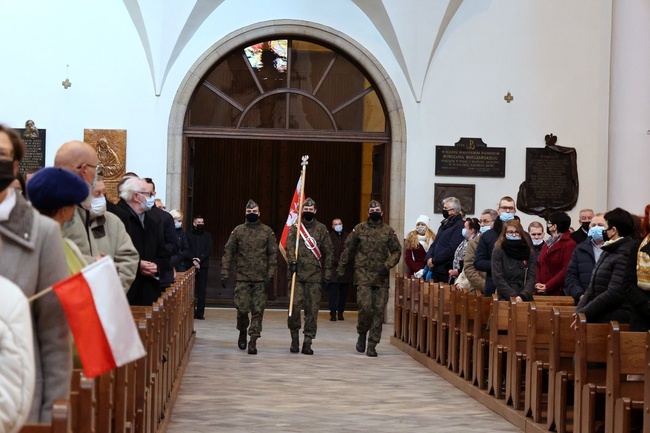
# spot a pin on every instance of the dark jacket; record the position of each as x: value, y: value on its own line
x: 483, y: 256
x: 200, y: 244
x: 604, y: 300
x: 169, y: 233
x: 579, y: 236
x: 182, y: 260
x: 338, y: 242
x: 441, y: 251
x: 552, y: 264
x: 150, y: 243
x: 578, y: 273
x: 638, y: 298
x: 513, y: 277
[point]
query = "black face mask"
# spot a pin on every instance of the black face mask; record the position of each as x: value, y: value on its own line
x: 585, y: 225
x: 6, y: 173
x: 605, y: 236
x: 308, y: 216
x: 374, y: 216
x: 445, y: 213
x: 252, y: 217
x: 199, y: 227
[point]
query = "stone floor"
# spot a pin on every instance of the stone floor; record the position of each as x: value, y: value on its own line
x: 335, y: 390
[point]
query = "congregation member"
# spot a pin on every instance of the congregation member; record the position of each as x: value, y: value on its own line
x: 33, y: 242
x: 469, y: 232
x: 555, y: 256
x: 312, y: 268
x: 417, y: 245
x: 582, y: 233
x: 337, y: 289
x: 514, y: 264
x: 169, y: 234
x: 636, y: 281
x: 440, y: 257
x: 483, y: 257
x: 146, y: 233
x: 253, y: 249
x: 584, y: 258
x: 375, y: 249
x: 604, y: 299
x: 471, y: 278
x: 536, y: 233
x: 199, y: 242
x: 182, y: 260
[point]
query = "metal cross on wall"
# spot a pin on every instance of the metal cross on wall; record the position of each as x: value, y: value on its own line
x: 508, y: 97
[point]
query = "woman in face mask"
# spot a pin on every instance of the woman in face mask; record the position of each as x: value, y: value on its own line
x: 417, y: 244
x: 55, y: 193
x: 470, y: 230
x: 514, y: 264
x: 182, y: 261
x: 555, y: 256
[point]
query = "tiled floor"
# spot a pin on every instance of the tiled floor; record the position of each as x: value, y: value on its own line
x: 335, y: 390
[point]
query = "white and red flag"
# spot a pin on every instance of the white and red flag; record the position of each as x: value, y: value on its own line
x: 291, y: 219
x: 100, y: 318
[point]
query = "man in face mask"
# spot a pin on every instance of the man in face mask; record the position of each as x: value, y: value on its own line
x: 584, y: 258
x: 253, y: 248
x: 146, y: 233
x: 338, y: 290
x: 375, y: 249
x: 536, y: 232
x: 312, y: 267
x: 200, y: 245
x: 582, y: 233
x: 440, y: 257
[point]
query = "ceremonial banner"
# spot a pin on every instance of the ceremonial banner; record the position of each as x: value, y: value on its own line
x: 293, y: 215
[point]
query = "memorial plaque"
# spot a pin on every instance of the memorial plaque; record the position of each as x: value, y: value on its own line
x: 110, y: 145
x: 551, y: 183
x: 470, y: 157
x: 34, y: 140
x: 465, y: 193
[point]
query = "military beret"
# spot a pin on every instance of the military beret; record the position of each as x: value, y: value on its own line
x: 375, y: 203
x: 309, y: 202
x: 54, y: 188
x: 251, y: 204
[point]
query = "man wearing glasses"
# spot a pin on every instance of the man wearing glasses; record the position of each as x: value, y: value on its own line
x: 483, y: 257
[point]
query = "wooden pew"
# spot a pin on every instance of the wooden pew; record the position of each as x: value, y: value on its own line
x: 481, y: 341
x: 555, y: 301
x: 434, y: 321
x: 83, y: 403
x: 414, y: 313
x: 406, y: 312
x: 456, y: 301
x: 399, y: 305
x: 444, y: 304
x: 626, y: 353
x: 498, y: 340
x: 424, y: 317
x: 61, y: 420
x: 468, y: 309
x: 516, y: 352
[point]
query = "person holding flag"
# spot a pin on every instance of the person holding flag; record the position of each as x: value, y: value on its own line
x: 254, y: 248
x: 314, y: 261
x: 375, y: 249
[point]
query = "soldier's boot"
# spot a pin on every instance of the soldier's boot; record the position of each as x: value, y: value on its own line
x: 361, y: 343
x: 295, y: 342
x: 306, y: 346
x: 332, y: 317
x: 241, y: 343
x: 252, y: 346
x: 371, y: 350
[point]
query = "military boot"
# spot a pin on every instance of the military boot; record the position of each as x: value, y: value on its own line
x: 295, y: 342
x: 252, y: 346
x: 306, y: 346
x: 241, y: 343
x: 371, y: 351
x: 361, y: 343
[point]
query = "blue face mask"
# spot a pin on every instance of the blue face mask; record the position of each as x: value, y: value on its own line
x: 596, y: 233
x: 513, y: 238
x: 485, y: 228
x: 464, y: 232
x: 505, y: 216
x: 178, y: 224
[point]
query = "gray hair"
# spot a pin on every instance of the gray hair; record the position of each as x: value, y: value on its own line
x: 130, y: 187
x: 454, y: 202
x: 493, y: 214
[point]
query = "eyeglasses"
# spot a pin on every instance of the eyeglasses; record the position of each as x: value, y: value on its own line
x: 485, y: 221
x: 145, y: 193
x: 512, y: 233
x: 507, y: 208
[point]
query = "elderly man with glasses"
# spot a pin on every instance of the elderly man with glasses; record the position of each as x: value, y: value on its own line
x: 440, y: 256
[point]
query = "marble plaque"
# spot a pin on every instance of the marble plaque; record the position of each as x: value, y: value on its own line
x: 110, y: 145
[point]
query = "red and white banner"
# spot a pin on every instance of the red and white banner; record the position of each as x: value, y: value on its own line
x: 100, y: 318
x: 291, y: 219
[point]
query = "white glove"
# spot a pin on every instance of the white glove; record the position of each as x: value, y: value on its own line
x: 419, y: 273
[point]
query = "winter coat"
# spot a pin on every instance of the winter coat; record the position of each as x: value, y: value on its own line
x: 552, y: 264
x: 415, y: 259
x: 483, y: 258
x: 513, y: 277
x: 475, y: 277
x: 182, y: 260
x: 638, y: 298
x: 442, y: 250
x: 604, y: 299
x: 338, y: 242
x: 578, y: 273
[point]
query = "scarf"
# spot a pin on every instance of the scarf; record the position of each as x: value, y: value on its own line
x: 550, y: 241
x: 423, y: 241
x: 643, y: 265
x: 518, y: 250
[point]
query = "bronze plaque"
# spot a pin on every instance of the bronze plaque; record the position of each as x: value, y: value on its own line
x: 34, y: 140
x: 463, y: 192
x: 470, y: 157
x: 110, y: 145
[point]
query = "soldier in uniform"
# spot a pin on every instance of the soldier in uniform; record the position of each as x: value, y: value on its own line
x: 254, y: 248
x: 375, y: 249
x: 315, y: 255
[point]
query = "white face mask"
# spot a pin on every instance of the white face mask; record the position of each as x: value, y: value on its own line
x: 178, y: 224
x: 98, y: 206
x: 338, y: 228
x: 537, y: 242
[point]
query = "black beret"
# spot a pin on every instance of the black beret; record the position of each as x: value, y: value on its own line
x: 54, y: 188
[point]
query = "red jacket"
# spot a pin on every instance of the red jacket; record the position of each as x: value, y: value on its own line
x: 552, y: 264
x: 415, y: 259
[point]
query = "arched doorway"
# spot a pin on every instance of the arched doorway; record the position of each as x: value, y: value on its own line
x: 280, y: 138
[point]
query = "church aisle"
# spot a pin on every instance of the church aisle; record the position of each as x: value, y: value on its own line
x: 335, y: 390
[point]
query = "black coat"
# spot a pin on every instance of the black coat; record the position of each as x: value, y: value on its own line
x: 638, y: 298
x: 513, y: 277
x: 338, y: 241
x: 169, y: 233
x: 200, y: 243
x: 604, y: 299
x: 578, y: 273
x: 441, y: 251
x: 579, y: 236
x: 149, y: 241
x: 483, y: 256
x: 182, y: 260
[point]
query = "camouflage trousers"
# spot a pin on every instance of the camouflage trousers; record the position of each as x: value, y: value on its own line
x: 306, y: 297
x: 250, y: 297
x: 372, y: 306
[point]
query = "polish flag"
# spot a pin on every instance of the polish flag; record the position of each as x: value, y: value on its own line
x: 293, y: 216
x: 100, y: 318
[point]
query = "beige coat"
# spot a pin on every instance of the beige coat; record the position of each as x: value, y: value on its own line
x: 32, y: 258
x: 109, y: 237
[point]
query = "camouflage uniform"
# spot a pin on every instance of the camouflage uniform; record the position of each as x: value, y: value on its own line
x: 374, y: 248
x: 309, y: 275
x: 255, y: 251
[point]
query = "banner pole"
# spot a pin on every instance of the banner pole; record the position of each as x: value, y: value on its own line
x: 303, y: 177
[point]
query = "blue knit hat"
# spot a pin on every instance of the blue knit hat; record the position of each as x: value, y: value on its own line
x: 54, y: 188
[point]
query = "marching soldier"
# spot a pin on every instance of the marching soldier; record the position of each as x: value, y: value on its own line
x: 375, y: 249
x: 315, y: 257
x: 255, y: 250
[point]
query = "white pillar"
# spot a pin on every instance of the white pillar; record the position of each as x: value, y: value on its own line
x: 629, y: 118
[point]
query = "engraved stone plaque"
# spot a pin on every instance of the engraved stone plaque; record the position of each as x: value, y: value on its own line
x: 34, y: 140
x: 472, y: 158
x: 465, y: 193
